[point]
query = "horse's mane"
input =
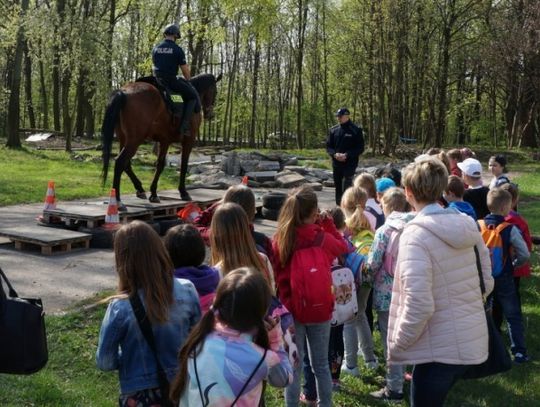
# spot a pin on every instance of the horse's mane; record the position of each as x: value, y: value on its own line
x: 202, y: 81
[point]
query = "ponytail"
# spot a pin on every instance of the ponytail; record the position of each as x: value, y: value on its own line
x: 298, y: 207
x: 191, y: 349
x: 358, y: 221
x: 353, y: 204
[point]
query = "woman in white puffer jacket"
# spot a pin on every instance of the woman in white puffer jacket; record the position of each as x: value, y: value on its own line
x: 437, y: 321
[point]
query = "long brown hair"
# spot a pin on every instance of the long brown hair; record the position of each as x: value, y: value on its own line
x: 353, y: 203
x: 231, y: 241
x: 142, y: 262
x: 299, y: 206
x: 242, y: 301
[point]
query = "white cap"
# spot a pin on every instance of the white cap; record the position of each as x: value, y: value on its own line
x: 471, y: 167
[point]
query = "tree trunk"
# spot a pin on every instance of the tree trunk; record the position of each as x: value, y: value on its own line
x: 256, y: 62
x: 28, y: 86
x: 13, y: 139
x: 302, y: 21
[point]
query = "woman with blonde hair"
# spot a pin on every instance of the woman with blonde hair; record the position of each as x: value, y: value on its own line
x: 232, y: 244
x: 145, y: 278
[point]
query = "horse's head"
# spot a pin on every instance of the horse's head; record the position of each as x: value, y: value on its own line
x: 206, y: 85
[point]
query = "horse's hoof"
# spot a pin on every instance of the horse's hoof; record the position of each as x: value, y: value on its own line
x: 121, y: 207
x: 141, y: 195
x: 184, y: 196
x: 154, y: 199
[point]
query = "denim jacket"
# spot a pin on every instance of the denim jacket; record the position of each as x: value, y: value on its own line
x: 122, y: 346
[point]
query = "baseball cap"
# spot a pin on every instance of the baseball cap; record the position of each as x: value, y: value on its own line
x: 343, y: 111
x: 383, y: 184
x: 471, y: 167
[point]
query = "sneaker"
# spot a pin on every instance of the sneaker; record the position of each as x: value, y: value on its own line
x: 387, y: 395
x: 372, y: 364
x: 306, y: 401
x: 521, y: 358
x: 353, y: 371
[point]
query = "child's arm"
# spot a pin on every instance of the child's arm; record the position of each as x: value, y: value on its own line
x: 107, y: 355
x: 376, y: 254
x: 521, y: 253
x: 282, y: 279
x: 485, y: 263
x: 280, y: 372
x: 333, y: 243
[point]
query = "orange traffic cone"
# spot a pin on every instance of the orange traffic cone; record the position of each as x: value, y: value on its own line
x: 50, y: 198
x: 112, y: 219
x: 245, y: 180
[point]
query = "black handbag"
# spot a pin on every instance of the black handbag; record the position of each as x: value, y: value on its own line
x: 498, y: 360
x: 146, y: 329
x: 23, y: 341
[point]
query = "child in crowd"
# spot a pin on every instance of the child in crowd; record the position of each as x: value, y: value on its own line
x: 476, y: 194
x: 303, y: 232
x: 382, y: 185
x: 367, y: 182
x: 454, y: 196
x: 232, y: 245
x: 171, y: 306
x: 234, y: 347
x: 358, y: 331
x: 466, y: 152
x: 497, y: 166
x: 381, y: 264
x: 516, y: 219
x: 515, y: 254
x: 335, y: 347
x: 187, y: 250
x: 243, y: 196
x: 455, y: 157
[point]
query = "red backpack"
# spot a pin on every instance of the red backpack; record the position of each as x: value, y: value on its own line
x: 312, y: 299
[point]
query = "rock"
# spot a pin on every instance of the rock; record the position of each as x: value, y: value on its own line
x: 270, y: 184
x: 268, y: 166
x: 311, y: 178
x: 320, y: 173
x: 316, y: 186
x: 262, y: 176
x: 230, y: 164
x: 290, y: 180
x: 328, y: 183
x: 249, y: 165
x: 296, y: 168
x: 291, y: 161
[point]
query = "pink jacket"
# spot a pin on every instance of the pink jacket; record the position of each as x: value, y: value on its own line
x: 436, y: 313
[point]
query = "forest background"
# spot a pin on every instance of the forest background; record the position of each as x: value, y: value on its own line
x: 442, y: 72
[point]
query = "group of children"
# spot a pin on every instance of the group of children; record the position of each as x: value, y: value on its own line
x: 264, y: 307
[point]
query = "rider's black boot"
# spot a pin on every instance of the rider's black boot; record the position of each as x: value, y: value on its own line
x: 189, y: 107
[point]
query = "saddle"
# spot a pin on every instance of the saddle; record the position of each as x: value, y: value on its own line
x: 173, y: 101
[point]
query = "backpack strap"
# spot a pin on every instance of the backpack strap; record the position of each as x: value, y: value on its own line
x: 146, y: 329
x: 502, y: 226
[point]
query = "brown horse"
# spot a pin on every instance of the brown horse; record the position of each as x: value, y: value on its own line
x: 137, y: 112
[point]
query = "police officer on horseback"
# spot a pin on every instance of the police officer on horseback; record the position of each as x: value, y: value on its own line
x: 167, y: 56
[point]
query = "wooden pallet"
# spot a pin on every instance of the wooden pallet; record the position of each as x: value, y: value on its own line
x: 47, y: 240
x: 90, y: 215
x: 202, y: 196
x: 164, y: 209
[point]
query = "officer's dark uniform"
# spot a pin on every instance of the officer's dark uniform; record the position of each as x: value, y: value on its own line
x: 167, y: 56
x: 344, y: 138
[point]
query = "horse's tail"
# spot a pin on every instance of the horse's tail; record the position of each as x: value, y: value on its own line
x: 116, y: 103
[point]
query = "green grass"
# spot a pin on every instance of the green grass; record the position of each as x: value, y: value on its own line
x: 25, y: 173
x: 71, y: 378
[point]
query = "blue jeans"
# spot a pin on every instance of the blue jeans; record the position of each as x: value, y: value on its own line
x: 431, y: 383
x: 506, y: 295
x: 318, y: 336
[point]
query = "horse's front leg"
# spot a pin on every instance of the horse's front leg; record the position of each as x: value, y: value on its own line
x: 160, y: 164
x: 187, y: 145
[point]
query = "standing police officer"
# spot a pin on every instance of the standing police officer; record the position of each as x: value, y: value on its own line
x: 167, y: 56
x: 344, y: 144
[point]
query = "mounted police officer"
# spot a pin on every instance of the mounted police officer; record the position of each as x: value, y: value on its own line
x: 345, y: 143
x: 167, y: 56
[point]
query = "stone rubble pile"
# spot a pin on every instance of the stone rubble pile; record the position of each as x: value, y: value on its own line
x: 270, y: 170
